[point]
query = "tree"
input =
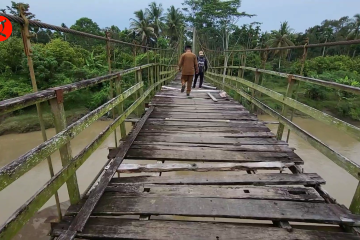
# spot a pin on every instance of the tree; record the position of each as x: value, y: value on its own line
x: 141, y: 26
x: 174, y: 23
x: 221, y: 15
x: 281, y: 38
x: 355, y: 25
x: 326, y: 33
x: 155, y: 15
x: 14, y: 9
x: 85, y: 25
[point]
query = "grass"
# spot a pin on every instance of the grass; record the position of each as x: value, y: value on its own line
x: 27, y: 121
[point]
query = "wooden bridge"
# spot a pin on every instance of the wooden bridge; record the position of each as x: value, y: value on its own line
x: 211, y: 169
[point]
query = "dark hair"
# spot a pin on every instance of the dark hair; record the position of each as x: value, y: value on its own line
x: 188, y: 47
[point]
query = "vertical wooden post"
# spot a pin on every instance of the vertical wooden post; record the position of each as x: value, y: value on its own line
x: 288, y: 93
x: 141, y: 108
x: 28, y: 52
x: 253, y: 93
x: 108, y: 54
x: 298, y: 84
x: 57, y: 108
x: 120, y: 106
x: 152, y: 68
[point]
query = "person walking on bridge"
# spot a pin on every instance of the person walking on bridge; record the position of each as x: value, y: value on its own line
x: 203, y: 66
x: 188, y: 65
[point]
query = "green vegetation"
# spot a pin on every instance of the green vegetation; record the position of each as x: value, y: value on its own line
x: 62, y: 58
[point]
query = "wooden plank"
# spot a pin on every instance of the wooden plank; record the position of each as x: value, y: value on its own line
x: 84, y: 213
x: 169, y: 129
x: 227, y: 208
x: 210, y: 134
x: 212, y: 156
x: 240, y: 179
x: 212, y: 97
x: 306, y: 194
x: 183, y: 111
x: 214, y: 140
x: 202, y: 106
x: 196, y: 123
x: 201, y: 167
x: 114, y: 228
x: 205, y: 116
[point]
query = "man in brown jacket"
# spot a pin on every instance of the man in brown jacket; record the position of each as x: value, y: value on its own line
x: 188, y: 65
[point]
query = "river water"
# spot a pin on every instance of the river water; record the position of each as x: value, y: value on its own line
x: 340, y: 184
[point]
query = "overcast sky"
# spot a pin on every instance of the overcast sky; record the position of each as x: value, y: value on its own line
x: 301, y: 14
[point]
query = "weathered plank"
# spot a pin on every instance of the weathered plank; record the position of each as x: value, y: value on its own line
x: 205, y: 116
x: 158, y: 129
x: 240, y: 179
x: 232, y: 192
x: 212, y: 97
x: 227, y: 208
x: 211, y: 156
x: 201, y: 167
x: 197, y: 123
x: 213, y: 140
x: 113, y: 228
x: 211, y: 134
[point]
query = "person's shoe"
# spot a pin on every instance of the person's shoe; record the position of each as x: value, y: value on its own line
x: 193, y: 87
x: 188, y: 94
x: 182, y: 88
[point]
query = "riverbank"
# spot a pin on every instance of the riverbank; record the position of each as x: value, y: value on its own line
x: 29, y: 121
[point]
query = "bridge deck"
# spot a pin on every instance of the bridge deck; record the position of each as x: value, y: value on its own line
x: 224, y: 166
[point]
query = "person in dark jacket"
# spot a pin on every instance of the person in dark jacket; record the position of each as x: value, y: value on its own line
x: 202, y: 63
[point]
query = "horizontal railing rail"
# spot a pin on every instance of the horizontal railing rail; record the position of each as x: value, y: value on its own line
x: 17, y: 103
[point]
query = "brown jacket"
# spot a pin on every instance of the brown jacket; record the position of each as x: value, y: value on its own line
x: 188, y: 63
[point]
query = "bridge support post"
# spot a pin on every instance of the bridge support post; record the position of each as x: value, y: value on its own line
x: 141, y: 108
x: 57, y: 108
x: 289, y: 92
x: 253, y: 94
x: 28, y: 52
x: 120, y: 106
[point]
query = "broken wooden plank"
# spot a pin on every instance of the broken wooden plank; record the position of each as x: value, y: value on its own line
x: 227, y: 208
x: 212, y: 97
x: 207, y: 86
x: 201, y: 167
x: 115, y: 228
x: 240, y: 179
x: 85, y: 212
x: 306, y: 194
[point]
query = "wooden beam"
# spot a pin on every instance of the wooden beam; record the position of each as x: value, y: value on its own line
x: 212, y: 97
x: 201, y: 167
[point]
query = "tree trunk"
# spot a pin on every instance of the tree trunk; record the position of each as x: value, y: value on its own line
x: 323, y: 53
x: 354, y: 53
x: 279, y: 63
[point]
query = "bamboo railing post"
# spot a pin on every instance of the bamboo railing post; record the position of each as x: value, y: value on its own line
x: 253, y: 93
x: 120, y: 106
x: 152, y: 68
x: 25, y: 33
x: 298, y: 84
x: 57, y: 108
x: 288, y: 93
x: 108, y: 55
x: 141, y: 108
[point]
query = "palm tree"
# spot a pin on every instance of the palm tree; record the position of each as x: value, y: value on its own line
x: 281, y: 38
x: 155, y: 13
x: 174, y: 23
x: 141, y: 26
x: 354, y: 34
x: 326, y: 33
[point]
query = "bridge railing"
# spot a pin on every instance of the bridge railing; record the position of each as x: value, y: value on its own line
x: 222, y: 77
x: 157, y: 73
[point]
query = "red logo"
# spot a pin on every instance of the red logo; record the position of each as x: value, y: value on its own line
x: 5, y: 28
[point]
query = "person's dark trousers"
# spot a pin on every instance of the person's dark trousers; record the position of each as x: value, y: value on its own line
x: 201, y: 74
